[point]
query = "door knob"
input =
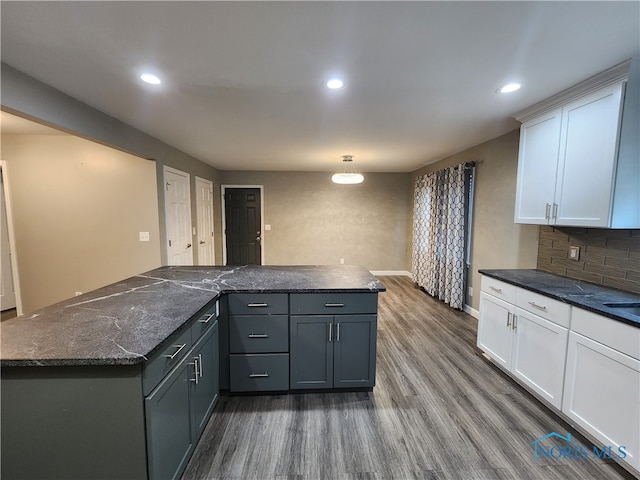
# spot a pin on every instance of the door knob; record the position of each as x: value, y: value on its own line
x: 202, y: 243
x: 258, y: 238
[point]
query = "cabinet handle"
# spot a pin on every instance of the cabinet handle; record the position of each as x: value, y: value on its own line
x: 508, y: 319
x: 258, y: 335
x: 330, y: 331
x: 329, y: 305
x: 539, y: 307
x: 208, y: 317
x: 254, y: 305
x: 515, y: 322
x: 337, y: 332
x: 200, y: 364
x: 258, y: 375
x: 499, y: 290
x: 196, y: 370
x: 547, y: 212
x: 179, y: 349
x: 555, y: 211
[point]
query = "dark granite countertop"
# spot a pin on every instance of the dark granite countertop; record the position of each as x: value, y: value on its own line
x: 588, y: 296
x: 124, y: 323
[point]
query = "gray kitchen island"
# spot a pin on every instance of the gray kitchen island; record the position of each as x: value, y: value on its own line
x: 120, y: 382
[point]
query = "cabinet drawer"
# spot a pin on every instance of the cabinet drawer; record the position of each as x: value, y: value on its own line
x: 333, y: 303
x: 543, y: 306
x: 499, y: 289
x: 204, y: 320
x: 163, y: 361
x: 612, y: 333
x: 259, y: 333
x: 258, y: 303
x: 259, y: 372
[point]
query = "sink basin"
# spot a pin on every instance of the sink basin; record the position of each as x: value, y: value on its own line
x: 630, y: 307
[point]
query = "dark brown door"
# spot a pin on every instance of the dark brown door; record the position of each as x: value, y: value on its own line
x: 243, y: 226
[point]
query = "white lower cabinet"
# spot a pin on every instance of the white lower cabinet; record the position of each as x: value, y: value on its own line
x: 532, y: 348
x: 539, y: 354
x: 602, y: 384
x: 583, y: 364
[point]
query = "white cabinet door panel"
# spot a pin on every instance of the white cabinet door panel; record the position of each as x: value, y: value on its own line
x: 539, y: 355
x: 495, y: 336
x: 587, y: 158
x: 602, y: 394
x: 537, y: 166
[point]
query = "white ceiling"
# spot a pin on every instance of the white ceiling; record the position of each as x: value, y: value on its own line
x: 243, y: 80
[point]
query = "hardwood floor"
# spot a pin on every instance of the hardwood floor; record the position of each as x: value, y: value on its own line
x: 438, y: 411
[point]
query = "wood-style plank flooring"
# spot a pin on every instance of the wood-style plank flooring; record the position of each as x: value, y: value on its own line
x: 438, y: 411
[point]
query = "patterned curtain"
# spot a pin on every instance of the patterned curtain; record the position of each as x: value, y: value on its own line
x: 438, y: 260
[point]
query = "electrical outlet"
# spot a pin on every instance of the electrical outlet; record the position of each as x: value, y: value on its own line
x: 574, y: 253
x: 144, y: 236
x: 342, y: 261
x: 471, y: 291
x: 78, y: 294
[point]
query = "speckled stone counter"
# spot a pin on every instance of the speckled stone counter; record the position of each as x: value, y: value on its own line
x: 581, y: 294
x: 124, y: 323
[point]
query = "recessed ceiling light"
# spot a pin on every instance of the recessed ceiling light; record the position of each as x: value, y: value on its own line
x: 335, y: 83
x: 509, y: 88
x: 150, y: 78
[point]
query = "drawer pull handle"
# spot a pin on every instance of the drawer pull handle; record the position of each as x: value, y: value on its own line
x: 207, y: 318
x: 515, y: 322
x: 508, y: 319
x: 499, y: 290
x: 329, y: 305
x: 254, y: 305
x: 258, y: 375
x: 179, y: 349
x: 539, y: 307
x: 258, y: 335
x: 337, y: 332
x: 330, y: 331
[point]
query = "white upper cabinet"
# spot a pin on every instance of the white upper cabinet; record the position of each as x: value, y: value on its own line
x: 579, y: 161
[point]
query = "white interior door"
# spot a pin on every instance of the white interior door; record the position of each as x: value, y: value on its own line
x: 204, y: 206
x: 177, y: 201
x: 7, y: 291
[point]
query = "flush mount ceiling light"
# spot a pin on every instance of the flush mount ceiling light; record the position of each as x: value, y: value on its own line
x: 335, y: 83
x: 509, y: 88
x: 150, y: 78
x: 347, y: 178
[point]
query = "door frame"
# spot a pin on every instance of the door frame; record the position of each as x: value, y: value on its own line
x: 223, y: 191
x: 165, y: 169
x: 213, y: 223
x: 12, y: 236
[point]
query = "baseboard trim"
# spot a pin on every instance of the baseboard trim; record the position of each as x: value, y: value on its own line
x: 392, y: 273
x: 472, y: 311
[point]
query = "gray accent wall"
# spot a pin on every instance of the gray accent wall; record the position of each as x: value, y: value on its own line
x: 316, y: 222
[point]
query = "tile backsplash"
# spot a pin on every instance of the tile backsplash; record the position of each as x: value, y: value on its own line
x: 607, y: 257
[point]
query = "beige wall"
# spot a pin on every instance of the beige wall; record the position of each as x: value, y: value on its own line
x: 315, y: 221
x: 29, y: 98
x: 77, y: 209
x: 497, y: 242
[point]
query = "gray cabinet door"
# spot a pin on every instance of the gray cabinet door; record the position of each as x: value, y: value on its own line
x: 354, y: 351
x: 311, y: 351
x: 169, y: 436
x: 204, y: 392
